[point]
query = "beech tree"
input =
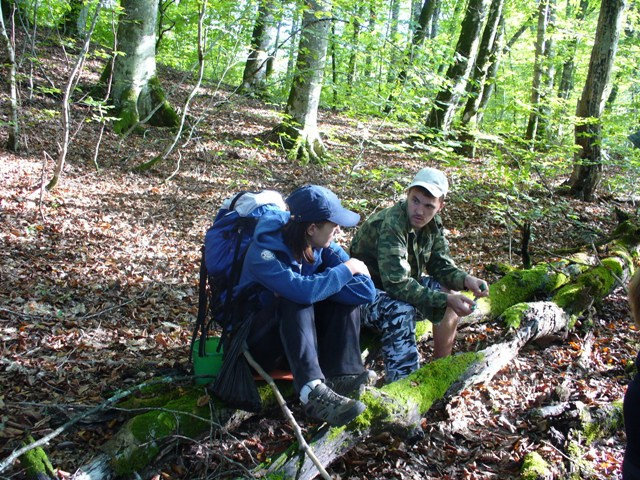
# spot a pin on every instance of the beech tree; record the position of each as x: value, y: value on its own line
x: 300, y: 132
x: 13, y: 142
x: 587, y: 163
x: 542, y: 71
x: 441, y: 115
x: 262, y: 41
x: 486, y: 55
x: 136, y: 90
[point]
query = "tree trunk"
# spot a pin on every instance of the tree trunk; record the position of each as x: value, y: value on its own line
x: 355, y: 40
x: 569, y: 65
x: 544, y: 9
x: 13, y: 141
x: 254, y: 78
x: 301, y: 135
x: 587, y: 166
x: 271, y: 60
x: 293, y: 46
x: 486, y: 56
x: 548, y: 77
x: 392, y: 38
x: 136, y: 92
x: 441, y: 115
x: 75, y: 20
x: 492, y: 73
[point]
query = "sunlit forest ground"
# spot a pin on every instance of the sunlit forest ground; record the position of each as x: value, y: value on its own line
x: 99, y: 283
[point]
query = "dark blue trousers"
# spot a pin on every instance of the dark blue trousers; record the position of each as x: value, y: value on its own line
x: 313, y: 341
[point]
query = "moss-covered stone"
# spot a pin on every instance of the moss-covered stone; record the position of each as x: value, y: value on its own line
x: 606, y: 424
x: 36, y: 463
x: 534, y: 467
x: 152, y: 396
x: 141, y: 437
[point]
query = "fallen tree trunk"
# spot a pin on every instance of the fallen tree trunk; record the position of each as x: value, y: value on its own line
x: 399, y: 406
x: 169, y: 416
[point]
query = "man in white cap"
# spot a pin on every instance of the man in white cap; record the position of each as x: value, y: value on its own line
x: 399, y: 245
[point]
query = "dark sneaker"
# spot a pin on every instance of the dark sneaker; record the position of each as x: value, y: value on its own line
x: 326, y: 405
x: 348, y: 384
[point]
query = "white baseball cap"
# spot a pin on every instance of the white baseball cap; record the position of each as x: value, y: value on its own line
x: 432, y: 180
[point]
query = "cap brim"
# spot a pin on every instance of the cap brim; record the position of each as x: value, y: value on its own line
x: 345, y: 218
x: 430, y: 187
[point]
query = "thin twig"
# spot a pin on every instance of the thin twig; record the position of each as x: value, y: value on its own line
x: 287, y: 413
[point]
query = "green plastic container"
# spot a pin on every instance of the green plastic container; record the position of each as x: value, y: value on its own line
x: 210, y: 363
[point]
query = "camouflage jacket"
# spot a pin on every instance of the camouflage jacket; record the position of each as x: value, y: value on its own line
x: 397, y: 257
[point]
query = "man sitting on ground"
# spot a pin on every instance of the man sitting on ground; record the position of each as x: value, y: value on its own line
x: 398, y: 245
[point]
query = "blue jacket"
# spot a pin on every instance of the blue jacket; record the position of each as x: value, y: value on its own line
x: 270, y: 263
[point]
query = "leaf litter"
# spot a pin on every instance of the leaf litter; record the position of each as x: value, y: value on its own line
x: 99, y: 292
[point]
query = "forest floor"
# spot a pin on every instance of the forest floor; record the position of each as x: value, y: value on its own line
x: 98, y: 287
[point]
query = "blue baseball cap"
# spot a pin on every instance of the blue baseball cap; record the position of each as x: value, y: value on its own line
x: 313, y: 203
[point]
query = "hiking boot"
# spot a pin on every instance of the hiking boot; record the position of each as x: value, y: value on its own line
x: 348, y: 384
x: 326, y: 405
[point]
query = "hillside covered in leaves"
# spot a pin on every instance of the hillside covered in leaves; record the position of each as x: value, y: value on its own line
x: 99, y: 278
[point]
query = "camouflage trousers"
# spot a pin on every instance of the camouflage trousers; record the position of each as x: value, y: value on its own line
x: 396, y: 321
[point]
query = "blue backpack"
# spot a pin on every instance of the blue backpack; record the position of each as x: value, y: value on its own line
x: 225, y: 245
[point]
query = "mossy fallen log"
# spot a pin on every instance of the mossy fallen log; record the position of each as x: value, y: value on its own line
x: 398, y: 405
x: 36, y: 463
x: 168, y: 415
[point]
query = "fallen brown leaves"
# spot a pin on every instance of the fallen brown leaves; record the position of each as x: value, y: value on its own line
x: 99, y: 292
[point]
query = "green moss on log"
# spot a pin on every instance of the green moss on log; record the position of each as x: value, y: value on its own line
x: 421, y: 389
x: 594, y: 284
x: 520, y: 286
x: 512, y: 316
x: 36, y: 463
x: 534, y: 467
x: 144, y: 433
x: 423, y: 329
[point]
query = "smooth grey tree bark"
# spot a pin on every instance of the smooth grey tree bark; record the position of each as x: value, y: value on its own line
x: 566, y: 84
x: 136, y: 91
x: 13, y: 142
x: 446, y: 103
x: 486, y: 56
x: 539, y: 84
x: 299, y: 133
x: 587, y: 162
x: 254, y: 77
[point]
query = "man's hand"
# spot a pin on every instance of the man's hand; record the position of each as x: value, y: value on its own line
x: 460, y: 304
x: 357, y: 266
x: 478, y: 287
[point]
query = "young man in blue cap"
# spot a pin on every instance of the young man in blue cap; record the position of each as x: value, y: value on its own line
x: 399, y: 245
x: 307, y: 293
